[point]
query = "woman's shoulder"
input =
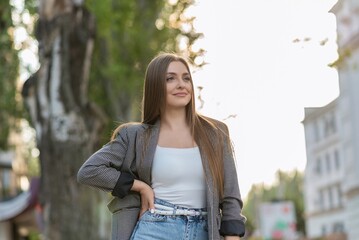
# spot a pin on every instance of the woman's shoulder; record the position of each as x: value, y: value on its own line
x: 128, y: 129
x: 132, y: 127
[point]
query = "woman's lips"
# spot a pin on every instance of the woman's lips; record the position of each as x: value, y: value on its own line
x: 180, y: 94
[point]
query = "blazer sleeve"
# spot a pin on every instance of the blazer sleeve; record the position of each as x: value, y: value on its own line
x: 232, y: 221
x: 102, y: 169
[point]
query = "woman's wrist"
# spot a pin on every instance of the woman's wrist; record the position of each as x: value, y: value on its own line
x: 139, y: 186
x: 142, y: 188
x: 232, y: 238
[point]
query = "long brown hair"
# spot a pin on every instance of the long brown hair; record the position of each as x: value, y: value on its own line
x: 205, y: 131
x: 154, y: 90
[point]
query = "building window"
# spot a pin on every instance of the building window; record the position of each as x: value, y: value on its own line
x: 333, y: 124
x: 316, y: 132
x: 330, y: 125
x: 318, y: 166
x: 327, y: 161
x: 321, y: 199
x: 340, y: 196
x: 336, y: 159
x: 338, y: 227
x: 330, y: 198
x: 324, y: 230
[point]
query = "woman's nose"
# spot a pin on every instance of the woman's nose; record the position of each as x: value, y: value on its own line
x: 180, y: 83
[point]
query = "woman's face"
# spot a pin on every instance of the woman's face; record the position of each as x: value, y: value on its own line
x: 178, y: 85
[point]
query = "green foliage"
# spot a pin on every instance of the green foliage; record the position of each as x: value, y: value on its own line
x: 31, y: 6
x: 34, y: 236
x: 129, y: 34
x: 33, y: 167
x: 9, y: 65
x: 289, y: 187
x: 31, y: 153
x: 11, y: 109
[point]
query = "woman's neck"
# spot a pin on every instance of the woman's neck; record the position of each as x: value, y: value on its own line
x: 175, y: 131
x: 174, y: 119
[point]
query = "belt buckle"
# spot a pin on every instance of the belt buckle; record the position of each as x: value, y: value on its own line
x: 192, y: 213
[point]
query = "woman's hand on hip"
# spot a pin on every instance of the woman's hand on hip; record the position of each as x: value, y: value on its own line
x: 147, y: 195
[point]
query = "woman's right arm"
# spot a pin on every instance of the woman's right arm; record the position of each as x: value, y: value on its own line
x: 101, y: 169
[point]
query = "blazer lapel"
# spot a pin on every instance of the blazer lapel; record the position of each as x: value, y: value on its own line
x: 150, y: 145
x: 209, y: 179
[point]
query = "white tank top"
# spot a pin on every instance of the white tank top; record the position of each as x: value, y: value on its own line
x: 178, y: 176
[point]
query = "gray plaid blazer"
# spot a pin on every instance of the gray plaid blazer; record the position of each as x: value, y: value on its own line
x: 116, y: 164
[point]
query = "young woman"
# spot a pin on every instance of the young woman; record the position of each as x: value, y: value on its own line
x: 173, y: 175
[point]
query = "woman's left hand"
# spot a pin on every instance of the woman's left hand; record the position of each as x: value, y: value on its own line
x: 232, y: 238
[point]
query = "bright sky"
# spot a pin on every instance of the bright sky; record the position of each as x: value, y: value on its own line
x: 267, y: 62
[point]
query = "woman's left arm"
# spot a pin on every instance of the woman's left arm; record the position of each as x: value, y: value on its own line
x: 232, y: 222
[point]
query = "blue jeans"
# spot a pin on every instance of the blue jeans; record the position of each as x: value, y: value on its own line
x: 152, y: 226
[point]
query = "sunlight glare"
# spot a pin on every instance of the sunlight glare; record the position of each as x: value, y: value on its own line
x: 265, y: 65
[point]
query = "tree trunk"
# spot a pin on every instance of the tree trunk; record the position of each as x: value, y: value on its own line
x: 67, y: 125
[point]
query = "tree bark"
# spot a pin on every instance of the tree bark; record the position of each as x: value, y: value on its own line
x: 67, y: 125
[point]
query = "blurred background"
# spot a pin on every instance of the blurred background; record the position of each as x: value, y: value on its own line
x: 282, y: 74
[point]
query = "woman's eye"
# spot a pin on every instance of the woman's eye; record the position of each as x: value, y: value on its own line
x: 187, y: 79
x: 169, y: 78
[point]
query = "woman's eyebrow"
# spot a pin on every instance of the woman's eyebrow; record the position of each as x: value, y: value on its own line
x: 186, y: 73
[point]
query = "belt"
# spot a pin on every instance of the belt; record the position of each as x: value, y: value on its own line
x: 168, y: 211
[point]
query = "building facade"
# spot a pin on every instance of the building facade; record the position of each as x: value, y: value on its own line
x: 325, y: 171
x: 332, y: 141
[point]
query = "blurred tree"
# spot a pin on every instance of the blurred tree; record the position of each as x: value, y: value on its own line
x: 129, y: 34
x: 92, y: 58
x: 9, y: 66
x: 288, y: 187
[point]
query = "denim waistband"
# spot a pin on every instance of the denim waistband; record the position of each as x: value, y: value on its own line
x: 163, y: 207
